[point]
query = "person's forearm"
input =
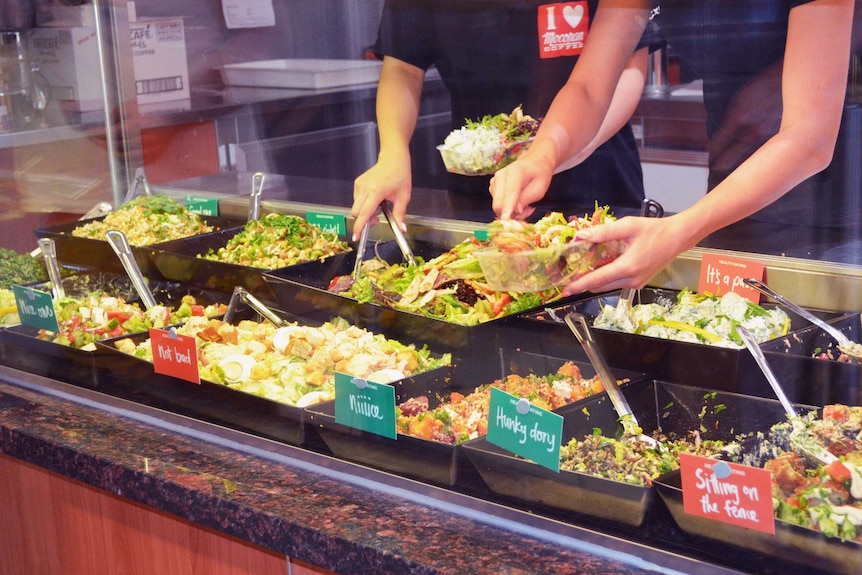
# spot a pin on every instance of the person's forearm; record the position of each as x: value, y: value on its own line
x: 623, y: 105
x: 398, y: 96
x: 814, y: 80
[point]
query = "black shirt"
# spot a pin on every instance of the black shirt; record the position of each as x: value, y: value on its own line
x: 489, y: 55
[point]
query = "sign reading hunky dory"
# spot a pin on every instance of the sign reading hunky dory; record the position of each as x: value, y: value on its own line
x: 524, y: 429
x: 365, y: 405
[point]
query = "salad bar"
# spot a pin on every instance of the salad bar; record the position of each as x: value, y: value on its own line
x: 449, y: 345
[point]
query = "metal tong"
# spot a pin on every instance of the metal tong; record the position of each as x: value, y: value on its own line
x: 240, y: 293
x: 254, y: 199
x: 649, y: 209
x: 579, y: 326
x: 360, y: 251
x: 49, y: 253
x: 121, y: 247
x: 808, y: 449
x: 845, y: 344
x: 386, y: 206
x: 139, y: 181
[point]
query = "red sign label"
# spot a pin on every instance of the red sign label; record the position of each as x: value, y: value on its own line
x: 720, y: 274
x: 563, y: 29
x: 175, y: 355
x: 727, y: 492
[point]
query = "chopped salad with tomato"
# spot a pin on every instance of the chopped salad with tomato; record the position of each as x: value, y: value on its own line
x: 465, y: 417
x: 84, y: 321
x: 827, y: 498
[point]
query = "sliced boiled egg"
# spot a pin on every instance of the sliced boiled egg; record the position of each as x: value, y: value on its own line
x: 386, y: 375
x: 312, y: 397
x: 236, y: 367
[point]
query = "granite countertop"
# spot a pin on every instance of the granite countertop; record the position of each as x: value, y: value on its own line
x: 330, y: 513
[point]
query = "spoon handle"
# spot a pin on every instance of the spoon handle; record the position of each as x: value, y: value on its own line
x: 842, y: 339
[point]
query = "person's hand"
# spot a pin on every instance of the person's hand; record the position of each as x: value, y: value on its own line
x: 651, y: 244
x: 386, y: 180
x: 517, y: 186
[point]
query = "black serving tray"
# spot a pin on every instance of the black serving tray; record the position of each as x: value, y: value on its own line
x: 134, y: 379
x: 302, y: 290
x: 98, y: 254
x: 673, y: 407
x: 700, y: 365
x: 177, y: 260
x: 433, y: 461
x: 23, y: 350
x: 808, y: 379
x: 807, y: 548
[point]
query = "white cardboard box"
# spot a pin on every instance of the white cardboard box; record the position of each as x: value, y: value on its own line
x: 159, y: 56
x: 68, y: 58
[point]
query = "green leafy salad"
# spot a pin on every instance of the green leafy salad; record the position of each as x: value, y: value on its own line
x: 278, y: 240
x: 450, y: 287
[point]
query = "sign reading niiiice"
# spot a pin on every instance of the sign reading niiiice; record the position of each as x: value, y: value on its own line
x: 365, y: 405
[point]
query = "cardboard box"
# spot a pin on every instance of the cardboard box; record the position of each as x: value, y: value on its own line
x: 68, y: 58
x: 159, y: 56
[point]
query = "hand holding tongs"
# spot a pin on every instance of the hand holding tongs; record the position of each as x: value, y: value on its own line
x: 399, y: 235
x: 254, y: 200
x: 807, y: 448
x: 649, y: 209
x: 240, y: 293
x: 578, y: 324
x: 121, y: 247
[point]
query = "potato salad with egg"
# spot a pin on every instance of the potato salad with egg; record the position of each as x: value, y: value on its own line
x: 294, y: 364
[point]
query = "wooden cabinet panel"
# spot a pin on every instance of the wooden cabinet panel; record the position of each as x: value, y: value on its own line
x: 50, y: 525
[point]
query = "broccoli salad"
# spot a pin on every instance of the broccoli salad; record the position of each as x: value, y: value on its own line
x: 698, y: 318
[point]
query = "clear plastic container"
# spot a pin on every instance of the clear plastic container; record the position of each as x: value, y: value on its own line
x: 481, y: 160
x: 544, y: 268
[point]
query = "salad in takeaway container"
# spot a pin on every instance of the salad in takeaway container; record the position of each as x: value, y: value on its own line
x: 526, y: 257
x: 482, y: 147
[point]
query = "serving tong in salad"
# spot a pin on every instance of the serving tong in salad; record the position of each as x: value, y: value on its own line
x: 850, y: 348
x: 579, y: 326
x: 403, y: 244
x: 649, y: 209
x: 254, y: 199
x: 120, y: 244
x: 240, y: 293
x: 141, y: 182
x: 799, y: 440
x: 49, y: 253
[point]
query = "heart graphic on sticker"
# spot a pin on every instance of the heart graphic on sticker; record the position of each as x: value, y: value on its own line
x: 573, y: 14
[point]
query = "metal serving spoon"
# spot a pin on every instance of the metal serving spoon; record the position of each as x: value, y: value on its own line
x: 845, y: 344
x: 804, y: 446
x: 579, y: 326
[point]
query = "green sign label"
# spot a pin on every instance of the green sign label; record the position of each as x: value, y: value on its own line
x: 522, y: 428
x: 365, y: 405
x: 332, y: 223
x: 36, y: 308
x: 481, y: 235
x: 202, y: 206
